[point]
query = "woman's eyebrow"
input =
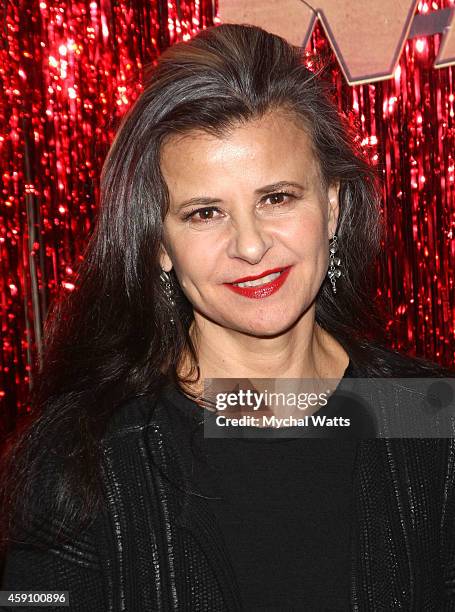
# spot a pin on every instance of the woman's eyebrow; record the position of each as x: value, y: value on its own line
x: 276, y: 186
x: 197, y: 201
x: 207, y: 201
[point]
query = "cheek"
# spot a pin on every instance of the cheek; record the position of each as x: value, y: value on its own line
x: 309, y: 237
x: 195, y: 260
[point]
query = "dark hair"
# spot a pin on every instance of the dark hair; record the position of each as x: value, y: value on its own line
x: 111, y: 339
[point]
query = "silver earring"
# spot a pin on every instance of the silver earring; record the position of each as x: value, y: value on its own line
x: 334, y: 272
x: 166, y: 280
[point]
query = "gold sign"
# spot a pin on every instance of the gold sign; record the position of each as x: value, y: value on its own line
x: 446, y: 55
x: 367, y: 36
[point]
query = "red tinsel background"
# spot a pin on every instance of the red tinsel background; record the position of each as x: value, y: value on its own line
x: 69, y: 71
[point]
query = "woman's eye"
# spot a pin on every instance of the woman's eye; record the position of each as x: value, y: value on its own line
x: 206, y: 214
x: 278, y: 198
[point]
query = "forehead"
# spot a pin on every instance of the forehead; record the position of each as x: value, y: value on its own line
x: 270, y: 149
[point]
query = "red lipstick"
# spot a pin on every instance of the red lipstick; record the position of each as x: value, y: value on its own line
x: 244, y: 279
x: 260, y: 291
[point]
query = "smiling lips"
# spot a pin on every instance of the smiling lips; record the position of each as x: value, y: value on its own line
x: 256, y: 288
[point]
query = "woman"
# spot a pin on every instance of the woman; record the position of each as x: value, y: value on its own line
x: 236, y: 225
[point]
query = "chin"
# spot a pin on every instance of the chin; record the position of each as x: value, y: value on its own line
x: 266, y: 329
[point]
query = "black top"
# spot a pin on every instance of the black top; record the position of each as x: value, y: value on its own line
x: 148, y: 549
x: 284, y: 507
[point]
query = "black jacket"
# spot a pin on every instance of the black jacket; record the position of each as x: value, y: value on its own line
x: 153, y: 547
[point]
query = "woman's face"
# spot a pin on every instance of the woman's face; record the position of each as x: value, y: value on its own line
x: 242, y: 205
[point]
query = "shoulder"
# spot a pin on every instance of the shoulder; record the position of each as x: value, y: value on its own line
x: 133, y: 415
x: 404, y: 395
x: 165, y: 410
x: 376, y: 360
x: 143, y: 434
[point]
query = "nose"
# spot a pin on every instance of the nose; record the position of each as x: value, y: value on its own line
x: 250, y: 239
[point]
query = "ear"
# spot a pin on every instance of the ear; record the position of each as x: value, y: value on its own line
x: 165, y: 260
x: 333, y: 208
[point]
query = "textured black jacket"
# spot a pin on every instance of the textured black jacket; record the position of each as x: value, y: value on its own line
x: 153, y: 547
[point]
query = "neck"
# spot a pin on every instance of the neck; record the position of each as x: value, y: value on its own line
x: 304, y: 351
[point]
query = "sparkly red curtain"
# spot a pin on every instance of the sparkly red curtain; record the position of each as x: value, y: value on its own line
x: 69, y: 71
x: 406, y: 126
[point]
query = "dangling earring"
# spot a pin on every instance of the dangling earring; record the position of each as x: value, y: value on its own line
x: 166, y: 280
x: 334, y: 272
